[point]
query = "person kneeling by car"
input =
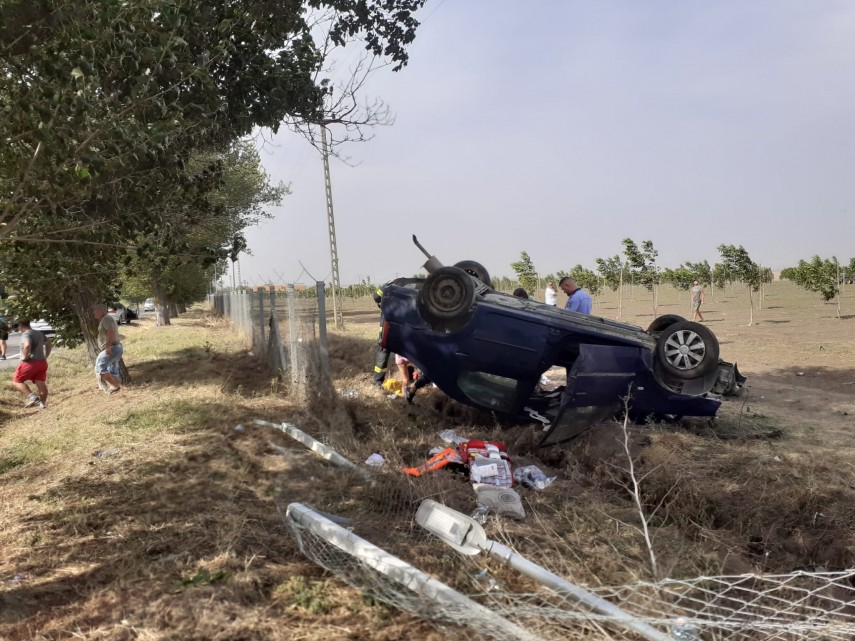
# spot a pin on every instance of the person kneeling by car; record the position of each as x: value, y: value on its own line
x: 107, y: 363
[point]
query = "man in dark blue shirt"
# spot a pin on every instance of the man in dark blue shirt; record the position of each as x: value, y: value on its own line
x: 578, y: 299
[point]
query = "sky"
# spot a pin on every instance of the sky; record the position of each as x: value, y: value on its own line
x: 561, y: 127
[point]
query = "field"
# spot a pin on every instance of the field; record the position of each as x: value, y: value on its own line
x: 151, y: 515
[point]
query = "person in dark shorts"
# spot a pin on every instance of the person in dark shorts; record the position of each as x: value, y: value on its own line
x: 4, y: 335
x: 35, y: 348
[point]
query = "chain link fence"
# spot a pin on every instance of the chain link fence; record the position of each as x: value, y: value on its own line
x: 286, y: 327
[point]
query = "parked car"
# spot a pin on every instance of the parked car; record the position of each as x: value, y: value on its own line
x: 120, y: 313
x: 148, y: 305
x: 488, y: 350
x: 43, y: 326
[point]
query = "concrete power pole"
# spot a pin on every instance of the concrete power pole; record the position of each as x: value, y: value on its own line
x: 336, y: 283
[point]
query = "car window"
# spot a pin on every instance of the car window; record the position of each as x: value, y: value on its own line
x: 495, y: 391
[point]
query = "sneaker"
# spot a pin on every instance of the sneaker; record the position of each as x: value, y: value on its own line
x: 42, y: 406
x: 32, y: 400
x: 2, y: 357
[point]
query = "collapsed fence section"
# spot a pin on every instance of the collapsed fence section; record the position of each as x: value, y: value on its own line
x: 286, y: 327
x: 800, y: 606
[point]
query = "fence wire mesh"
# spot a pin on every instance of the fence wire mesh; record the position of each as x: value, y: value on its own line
x: 285, y: 325
x: 792, y: 607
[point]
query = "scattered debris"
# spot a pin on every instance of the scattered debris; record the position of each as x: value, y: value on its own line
x: 312, y: 443
x: 488, y: 462
x: 375, y: 460
x: 18, y: 578
x: 532, y: 477
x: 110, y: 451
x: 502, y: 501
x: 348, y: 393
x: 394, y: 385
x: 451, y: 437
x: 239, y: 428
x: 445, y: 457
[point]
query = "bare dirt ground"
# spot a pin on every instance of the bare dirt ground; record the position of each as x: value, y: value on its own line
x: 149, y: 516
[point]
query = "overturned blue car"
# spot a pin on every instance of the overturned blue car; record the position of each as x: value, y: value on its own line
x: 488, y: 350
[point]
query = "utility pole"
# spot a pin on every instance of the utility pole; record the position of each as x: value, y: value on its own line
x: 336, y: 283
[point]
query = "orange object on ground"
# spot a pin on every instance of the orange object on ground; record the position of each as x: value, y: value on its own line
x: 435, y: 462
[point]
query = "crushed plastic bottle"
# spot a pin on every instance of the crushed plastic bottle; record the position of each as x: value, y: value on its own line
x: 480, y: 514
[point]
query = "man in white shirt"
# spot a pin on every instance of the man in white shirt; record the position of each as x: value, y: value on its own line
x: 550, y: 297
x: 107, y: 363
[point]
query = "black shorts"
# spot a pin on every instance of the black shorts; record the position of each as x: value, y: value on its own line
x: 4, y: 336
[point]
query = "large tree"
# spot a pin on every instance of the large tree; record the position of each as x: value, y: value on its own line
x: 176, y: 263
x: 106, y: 102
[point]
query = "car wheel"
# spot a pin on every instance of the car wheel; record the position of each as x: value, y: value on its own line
x: 476, y: 270
x: 445, y: 301
x: 687, y: 350
x: 664, y: 321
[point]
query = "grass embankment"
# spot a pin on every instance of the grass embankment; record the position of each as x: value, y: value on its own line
x: 147, y: 515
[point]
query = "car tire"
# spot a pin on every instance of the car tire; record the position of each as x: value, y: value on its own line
x: 687, y: 350
x: 446, y: 300
x: 476, y: 270
x: 664, y: 321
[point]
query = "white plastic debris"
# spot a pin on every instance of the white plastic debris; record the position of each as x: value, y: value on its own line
x: 239, y: 428
x: 375, y: 460
x: 451, y: 437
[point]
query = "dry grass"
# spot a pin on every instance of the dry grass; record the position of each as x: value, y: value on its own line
x: 173, y: 530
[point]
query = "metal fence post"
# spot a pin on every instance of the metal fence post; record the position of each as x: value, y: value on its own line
x: 322, y: 330
x: 292, y: 337
x: 276, y: 352
x: 261, y: 319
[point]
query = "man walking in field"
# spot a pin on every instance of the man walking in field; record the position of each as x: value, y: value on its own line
x: 35, y: 348
x: 107, y: 363
x: 697, y: 300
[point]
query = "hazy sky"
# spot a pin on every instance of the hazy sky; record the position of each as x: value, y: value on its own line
x: 561, y: 127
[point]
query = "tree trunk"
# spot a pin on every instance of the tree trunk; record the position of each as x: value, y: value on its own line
x: 750, y: 307
x: 161, y: 309
x: 161, y: 315
x: 620, y: 295
x: 655, y: 299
